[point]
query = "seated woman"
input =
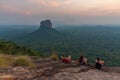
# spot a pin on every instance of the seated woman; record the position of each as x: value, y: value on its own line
x: 66, y: 60
x: 82, y: 60
x: 99, y: 63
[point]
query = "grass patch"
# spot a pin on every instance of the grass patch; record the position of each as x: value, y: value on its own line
x: 3, y: 62
x: 23, y: 61
x: 54, y: 56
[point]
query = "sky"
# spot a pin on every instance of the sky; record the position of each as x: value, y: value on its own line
x: 60, y: 12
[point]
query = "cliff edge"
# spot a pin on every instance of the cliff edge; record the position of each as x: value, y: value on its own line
x: 47, y: 69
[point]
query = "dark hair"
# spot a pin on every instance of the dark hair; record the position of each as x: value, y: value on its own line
x: 63, y: 55
x: 81, y: 59
x: 98, y: 59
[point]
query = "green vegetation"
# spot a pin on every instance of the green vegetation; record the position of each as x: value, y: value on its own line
x: 54, y: 55
x: 3, y: 62
x: 23, y: 61
x: 14, y: 55
x: 7, y: 61
x: 11, y: 48
x: 90, y: 41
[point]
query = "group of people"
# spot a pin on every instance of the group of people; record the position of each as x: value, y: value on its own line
x: 82, y: 61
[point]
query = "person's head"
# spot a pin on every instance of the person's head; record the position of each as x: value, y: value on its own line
x: 98, y: 59
x: 81, y: 58
x: 63, y: 55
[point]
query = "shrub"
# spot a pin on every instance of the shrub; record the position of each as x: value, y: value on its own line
x: 23, y: 61
x: 54, y: 56
x: 3, y: 62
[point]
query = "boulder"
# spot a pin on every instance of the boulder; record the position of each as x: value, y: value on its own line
x: 7, y: 77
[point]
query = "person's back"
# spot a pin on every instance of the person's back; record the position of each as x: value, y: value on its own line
x: 99, y: 63
x: 66, y: 60
x: 85, y: 60
x: 82, y: 60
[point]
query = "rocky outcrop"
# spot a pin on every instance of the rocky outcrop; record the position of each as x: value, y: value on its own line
x: 47, y: 69
x: 46, y: 24
x: 45, y: 32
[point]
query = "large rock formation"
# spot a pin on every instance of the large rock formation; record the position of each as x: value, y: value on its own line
x: 46, y: 24
x: 45, y: 30
x: 47, y: 69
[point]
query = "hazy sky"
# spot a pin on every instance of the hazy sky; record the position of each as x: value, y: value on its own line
x: 60, y: 11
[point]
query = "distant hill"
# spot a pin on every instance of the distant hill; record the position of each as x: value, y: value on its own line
x: 44, y: 35
x: 46, y: 31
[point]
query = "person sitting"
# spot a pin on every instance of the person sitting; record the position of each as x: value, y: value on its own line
x: 82, y: 60
x: 99, y: 63
x: 66, y: 60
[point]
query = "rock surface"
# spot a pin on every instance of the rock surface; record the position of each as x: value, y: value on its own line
x: 47, y: 69
x: 46, y: 24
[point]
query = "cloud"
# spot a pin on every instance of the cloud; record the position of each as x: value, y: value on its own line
x: 28, y: 13
x: 64, y: 10
x: 51, y: 3
x: 62, y: 7
x: 8, y: 8
x: 15, y: 10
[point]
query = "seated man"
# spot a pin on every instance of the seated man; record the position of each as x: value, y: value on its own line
x: 82, y: 60
x: 66, y: 60
x: 99, y: 63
